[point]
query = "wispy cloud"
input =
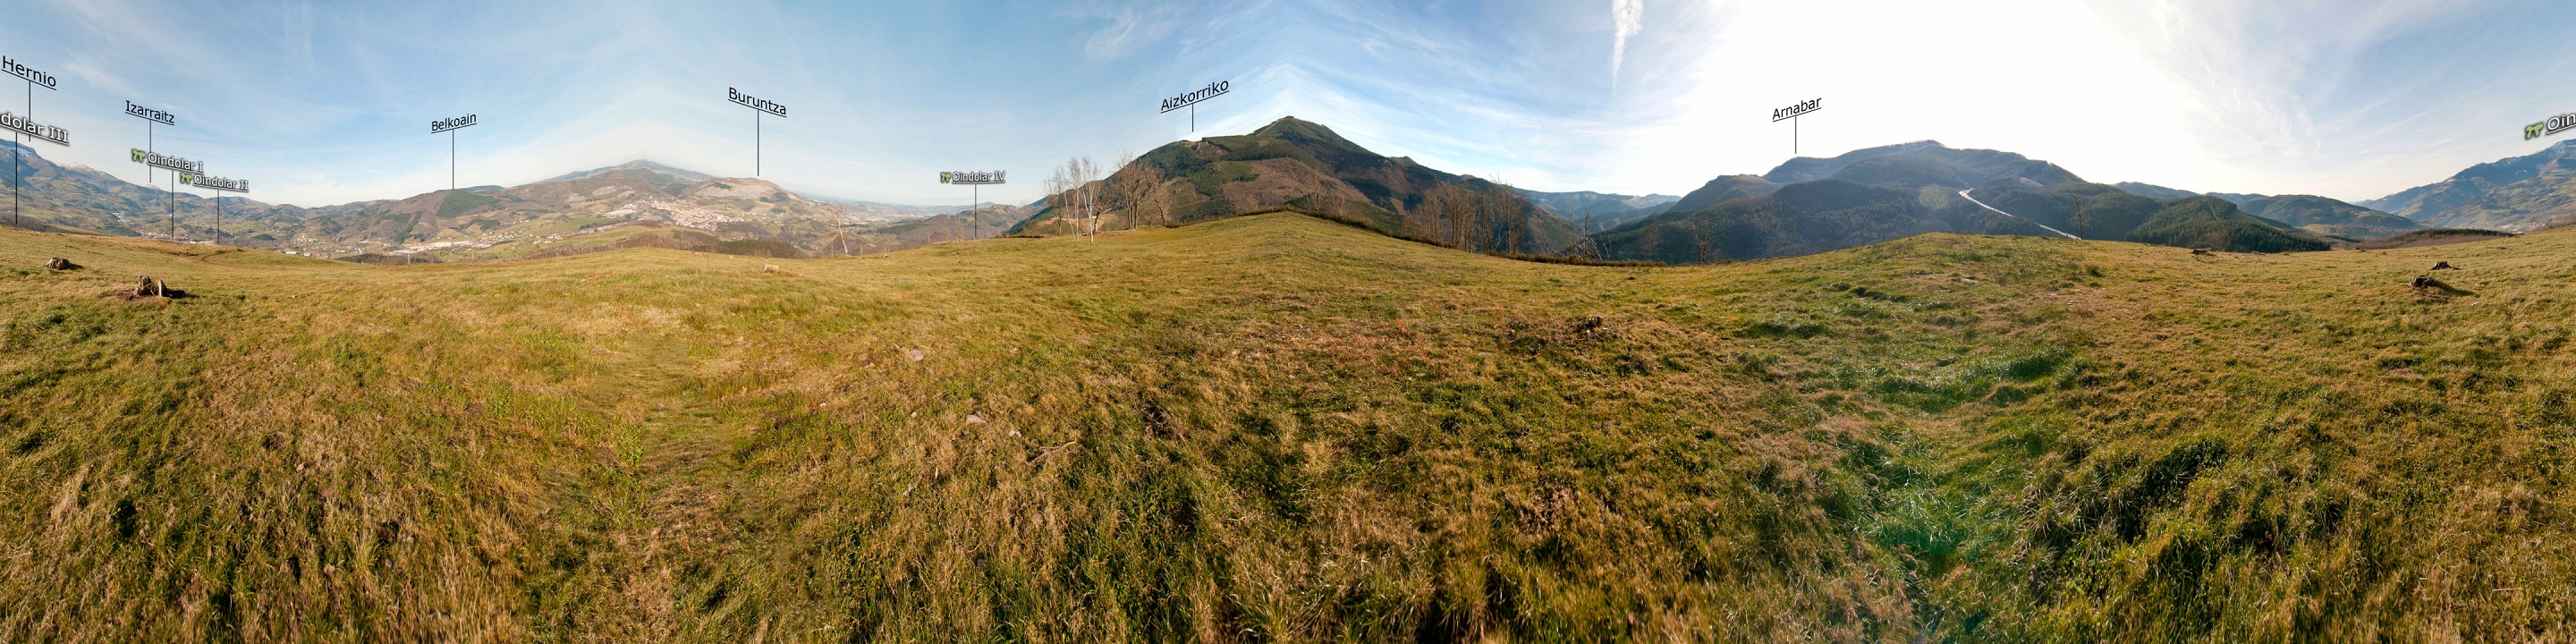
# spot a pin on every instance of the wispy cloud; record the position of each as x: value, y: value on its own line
x: 1627, y: 17
x: 1131, y: 27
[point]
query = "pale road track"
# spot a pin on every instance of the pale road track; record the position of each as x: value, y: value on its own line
x: 1963, y: 194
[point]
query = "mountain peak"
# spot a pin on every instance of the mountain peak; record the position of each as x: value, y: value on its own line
x: 1292, y: 130
x: 640, y: 165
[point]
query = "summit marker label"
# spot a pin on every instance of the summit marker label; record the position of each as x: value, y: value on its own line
x: 40, y: 78
x: 762, y: 104
x: 1795, y: 111
x: 2549, y: 126
x: 1791, y: 114
x: 1190, y: 101
x: 210, y: 182
x: 758, y: 107
x: 48, y: 133
x: 443, y: 125
x: 1212, y: 90
x: 972, y: 178
x: 149, y: 114
x: 167, y: 162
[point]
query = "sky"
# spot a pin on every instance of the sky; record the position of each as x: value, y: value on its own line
x: 320, y: 103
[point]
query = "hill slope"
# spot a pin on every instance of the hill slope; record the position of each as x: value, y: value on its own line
x: 2515, y: 195
x: 2217, y: 224
x: 1920, y: 164
x: 1722, y: 189
x: 1281, y: 429
x: 1304, y: 165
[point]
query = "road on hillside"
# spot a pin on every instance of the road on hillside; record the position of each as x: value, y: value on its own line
x: 1963, y: 194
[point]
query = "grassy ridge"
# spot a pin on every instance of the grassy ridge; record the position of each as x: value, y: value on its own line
x: 1275, y: 428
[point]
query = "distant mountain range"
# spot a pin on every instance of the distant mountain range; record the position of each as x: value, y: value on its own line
x: 1597, y: 211
x: 636, y: 203
x: 1810, y: 205
x: 2519, y: 194
x: 79, y: 199
x: 1804, y: 205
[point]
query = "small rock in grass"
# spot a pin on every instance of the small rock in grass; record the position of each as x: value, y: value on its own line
x: 2444, y: 266
x: 914, y: 355
x: 145, y: 287
x: 61, y: 264
x: 974, y: 419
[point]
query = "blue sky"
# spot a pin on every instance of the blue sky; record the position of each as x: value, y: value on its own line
x: 324, y: 102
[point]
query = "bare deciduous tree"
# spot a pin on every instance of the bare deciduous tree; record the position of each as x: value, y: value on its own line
x: 1074, y: 191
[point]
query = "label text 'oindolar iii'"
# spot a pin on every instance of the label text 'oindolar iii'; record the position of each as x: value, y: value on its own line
x: 30, y: 127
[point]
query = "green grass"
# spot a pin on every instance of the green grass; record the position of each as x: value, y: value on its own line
x: 1274, y: 428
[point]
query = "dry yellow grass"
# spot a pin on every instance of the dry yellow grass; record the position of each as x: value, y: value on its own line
x: 1278, y: 429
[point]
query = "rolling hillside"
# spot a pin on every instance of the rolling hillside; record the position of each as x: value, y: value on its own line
x: 1279, y: 429
x: 77, y: 198
x: 1292, y: 163
x: 1722, y: 189
x: 613, y: 207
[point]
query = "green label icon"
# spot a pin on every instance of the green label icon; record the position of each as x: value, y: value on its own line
x: 945, y: 176
x: 138, y: 156
x: 187, y: 177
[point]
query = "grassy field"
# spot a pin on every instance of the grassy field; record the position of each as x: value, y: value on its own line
x: 1274, y: 428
